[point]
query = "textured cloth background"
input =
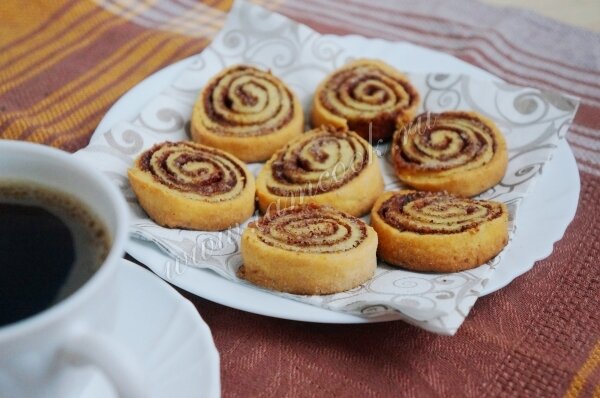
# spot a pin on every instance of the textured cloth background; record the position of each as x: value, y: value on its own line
x: 64, y: 63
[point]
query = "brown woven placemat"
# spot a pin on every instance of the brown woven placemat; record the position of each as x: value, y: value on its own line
x: 64, y: 63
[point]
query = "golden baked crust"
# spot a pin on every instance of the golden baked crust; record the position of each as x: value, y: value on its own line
x: 188, y: 185
x: 308, y: 249
x: 323, y: 166
x: 247, y: 112
x: 425, y: 231
x: 459, y: 152
x: 365, y: 94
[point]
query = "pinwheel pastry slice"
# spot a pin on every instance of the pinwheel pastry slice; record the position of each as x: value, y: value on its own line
x: 462, y: 153
x: 247, y: 112
x: 308, y: 249
x: 192, y: 186
x: 326, y: 166
x: 366, y: 96
x: 431, y: 231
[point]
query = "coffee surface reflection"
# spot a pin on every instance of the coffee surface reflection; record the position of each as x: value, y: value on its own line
x: 50, y: 245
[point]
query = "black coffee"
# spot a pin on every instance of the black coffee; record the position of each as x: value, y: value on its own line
x: 50, y: 245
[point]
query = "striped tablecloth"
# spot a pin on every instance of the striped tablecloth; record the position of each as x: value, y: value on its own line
x: 63, y: 63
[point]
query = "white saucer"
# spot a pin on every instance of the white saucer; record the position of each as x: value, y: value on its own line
x: 167, y: 334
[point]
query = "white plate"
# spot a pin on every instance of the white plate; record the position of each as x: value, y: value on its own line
x: 166, y: 333
x: 533, y: 240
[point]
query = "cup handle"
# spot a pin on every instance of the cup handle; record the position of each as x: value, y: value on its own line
x: 119, y: 365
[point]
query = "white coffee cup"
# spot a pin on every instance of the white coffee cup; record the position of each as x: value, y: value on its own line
x: 55, y: 352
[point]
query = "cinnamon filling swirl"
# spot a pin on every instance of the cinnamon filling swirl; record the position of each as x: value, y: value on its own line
x: 318, y: 163
x: 435, y: 213
x: 246, y: 101
x: 366, y: 92
x: 312, y: 229
x: 444, y: 141
x: 195, y: 169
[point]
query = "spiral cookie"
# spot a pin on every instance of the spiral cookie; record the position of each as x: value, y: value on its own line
x: 323, y: 166
x: 247, y: 112
x: 188, y: 185
x: 462, y: 153
x: 365, y: 94
x: 428, y: 231
x: 308, y: 249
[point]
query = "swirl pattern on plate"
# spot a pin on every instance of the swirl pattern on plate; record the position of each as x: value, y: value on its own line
x: 459, y: 152
x: 367, y: 96
x: 325, y: 165
x: 434, y: 213
x: 207, y: 173
x: 311, y: 229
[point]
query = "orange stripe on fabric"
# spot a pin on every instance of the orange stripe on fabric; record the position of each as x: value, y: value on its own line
x: 39, y: 61
x: 151, y: 55
x: 52, y: 34
x: 224, y: 5
x: 72, y: 123
x: 583, y: 373
x: 129, y: 55
x: 195, y: 16
x: 83, y: 129
x: 73, y: 41
x: 16, y: 29
x: 75, y: 87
